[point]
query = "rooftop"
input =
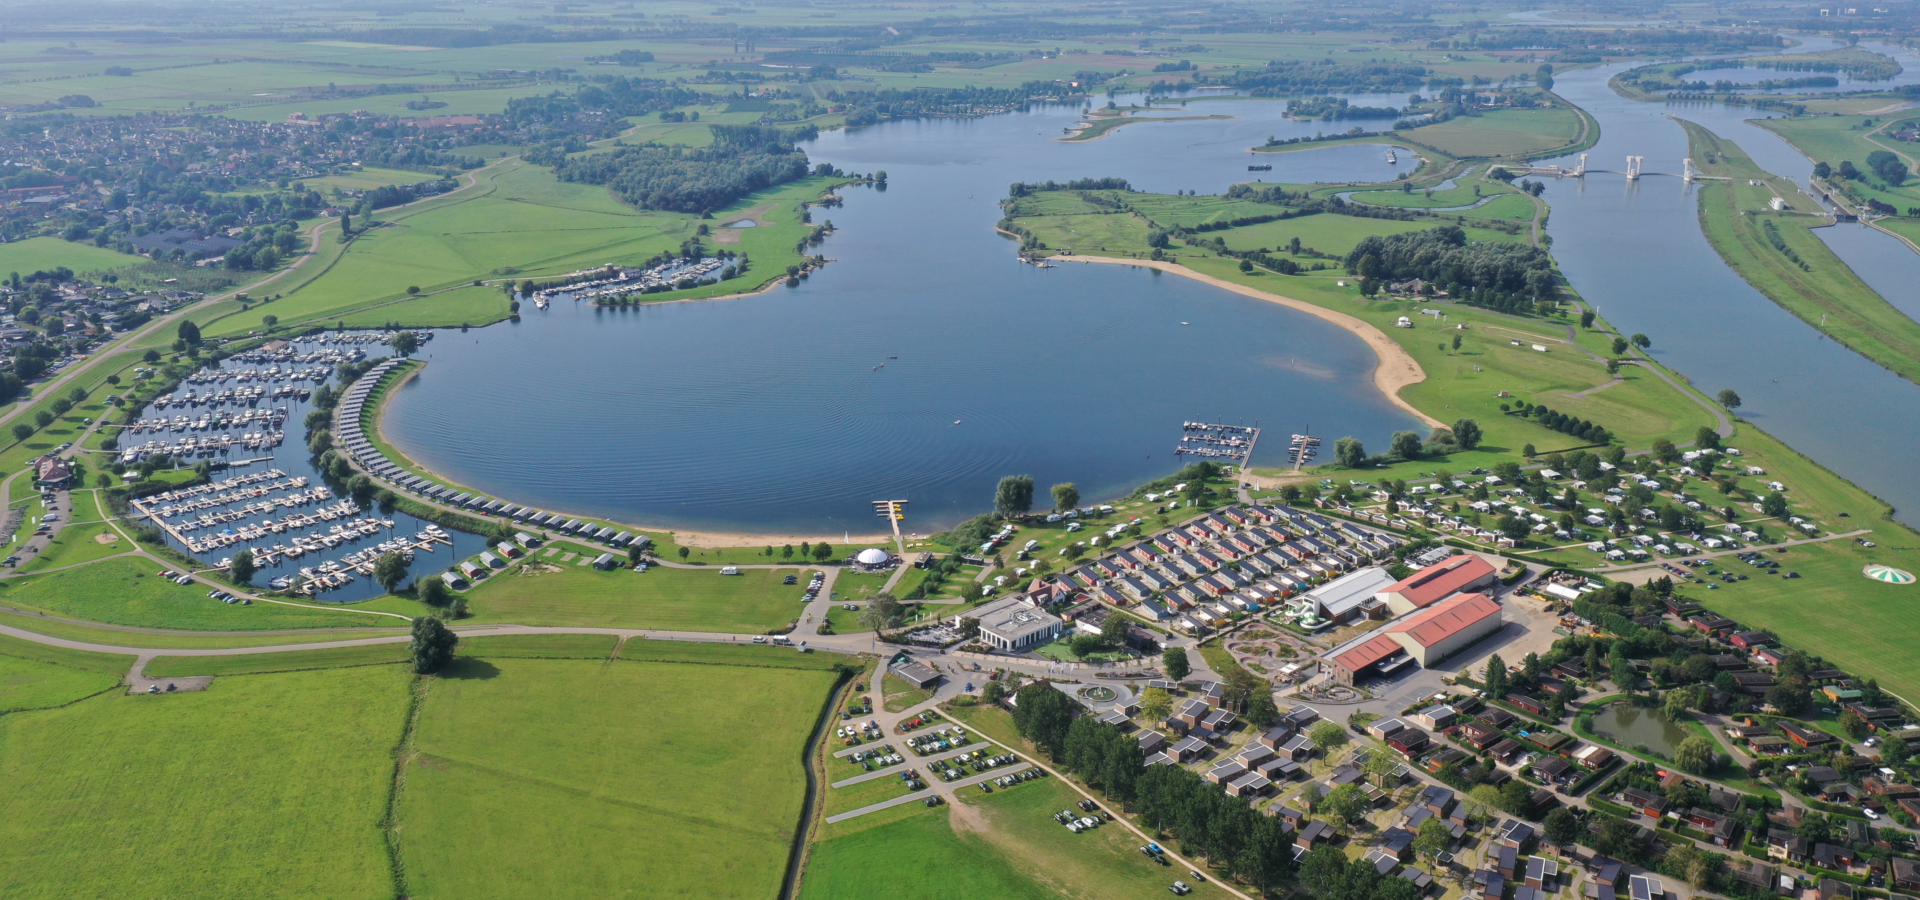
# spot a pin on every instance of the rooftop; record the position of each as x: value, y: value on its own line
x: 1449, y: 618
x: 1440, y: 580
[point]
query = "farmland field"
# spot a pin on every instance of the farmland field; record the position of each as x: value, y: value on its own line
x: 264, y: 786
x: 544, y: 778
x: 35, y: 254
x: 1501, y: 132
x: 699, y: 599
x: 31, y: 684
x: 367, y: 179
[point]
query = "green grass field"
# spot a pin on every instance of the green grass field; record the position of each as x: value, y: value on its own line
x: 266, y: 786
x: 518, y: 217
x: 1832, y: 139
x: 1501, y: 132
x: 543, y: 778
x: 32, y: 684
x: 851, y: 585
x: 49, y: 253
x: 899, y: 696
x: 366, y: 179
x: 672, y: 599
x: 77, y: 544
x: 128, y: 592
x: 730, y: 654
x: 917, y: 856
x: 1826, y: 294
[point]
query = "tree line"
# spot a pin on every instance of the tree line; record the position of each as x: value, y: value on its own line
x: 743, y: 159
x: 1237, y: 839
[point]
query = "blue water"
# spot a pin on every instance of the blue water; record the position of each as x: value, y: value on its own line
x: 768, y: 413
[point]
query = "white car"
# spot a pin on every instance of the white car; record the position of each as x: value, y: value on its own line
x: 1871, y: 814
x: 759, y: 638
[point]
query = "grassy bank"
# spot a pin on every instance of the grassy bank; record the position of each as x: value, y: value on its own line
x: 1823, y: 292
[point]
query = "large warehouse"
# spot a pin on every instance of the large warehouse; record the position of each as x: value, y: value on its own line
x: 1437, y: 582
x: 1447, y: 627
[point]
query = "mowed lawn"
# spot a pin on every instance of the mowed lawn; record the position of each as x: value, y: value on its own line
x: 77, y: 544
x: 129, y: 592
x: 918, y: 856
x: 1502, y: 132
x: 264, y: 786
x: 553, y: 778
x: 49, y: 253
x: 696, y: 599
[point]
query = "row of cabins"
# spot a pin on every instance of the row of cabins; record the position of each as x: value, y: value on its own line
x: 1275, y: 756
x: 1238, y: 560
x: 350, y: 437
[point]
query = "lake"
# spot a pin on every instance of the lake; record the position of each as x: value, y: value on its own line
x: 924, y: 363
x: 1632, y: 726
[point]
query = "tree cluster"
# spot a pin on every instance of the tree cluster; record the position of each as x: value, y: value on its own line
x: 742, y: 159
x: 1507, y: 277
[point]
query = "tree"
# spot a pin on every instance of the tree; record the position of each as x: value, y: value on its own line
x: 1674, y: 708
x: 1774, y: 504
x: 1432, y: 840
x: 432, y: 645
x: 1066, y: 496
x: 1113, y: 632
x: 685, y: 551
x: 1789, y: 697
x: 1246, y: 267
x: 1406, y: 445
x: 823, y: 551
x: 1855, y: 726
x: 1174, y: 661
x: 993, y: 692
x: 1641, y: 341
x: 1729, y: 399
x: 269, y: 320
x: 1563, y: 827
x: 1327, y: 735
x: 1467, y: 434
x: 1496, y: 676
x: 433, y: 592
x: 390, y: 569
x: 1349, y: 453
x: 883, y: 612
x: 1695, y: 754
x: 1515, y: 528
x: 1346, y: 802
x: 1261, y: 710
x: 1155, y: 704
x: 189, y: 332
x: 1619, y: 346
x: 786, y: 551
x: 43, y: 418
x: 1043, y: 715
x: 1586, y: 318
x: 405, y: 342
x: 635, y: 553
x: 241, y: 569
x: 22, y: 431
x: 1013, y: 496
x: 1085, y: 645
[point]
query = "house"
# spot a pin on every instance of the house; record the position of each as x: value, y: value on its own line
x: 1016, y: 624
x: 1906, y: 875
x: 1479, y: 735
x: 1607, y: 871
x: 1274, y: 737
x: 1493, y: 885
x: 1437, y: 582
x: 1187, y: 749
x: 1645, y: 887
x: 1506, y: 751
x: 1497, y: 717
x: 1542, y: 873
x: 1553, y: 770
x: 1152, y: 742
x: 1297, y: 748
x: 1719, y: 828
x: 1513, y: 833
x: 1527, y: 703
x: 52, y: 472
x: 914, y: 672
x: 1437, y: 717
x: 1833, y: 856
x: 1252, y: 784
x: 1749, y: 640
x: 1653, y: 806
x: 1592, y: 756
x: 1832, y: 888
x: 1506, y: 861
x: 1290, y: 817
x: 1782, y: 844
x: 1804, y: 736
x: 1385, y: 728
x: 1398, y: 842
x: 1437, y: 799
x: 1409, y: 742
x: 1313, y: 834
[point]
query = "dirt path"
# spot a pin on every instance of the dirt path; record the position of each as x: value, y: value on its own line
x: 1396, y: 371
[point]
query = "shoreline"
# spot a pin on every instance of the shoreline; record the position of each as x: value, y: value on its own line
x: 1394, y: 370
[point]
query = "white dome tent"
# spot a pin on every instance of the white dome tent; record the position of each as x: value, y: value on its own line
x: 872, y: 557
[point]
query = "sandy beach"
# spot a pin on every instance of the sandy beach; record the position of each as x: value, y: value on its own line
x: 1397, y: 368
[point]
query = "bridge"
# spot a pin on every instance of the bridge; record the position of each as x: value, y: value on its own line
x: 1635, y: 169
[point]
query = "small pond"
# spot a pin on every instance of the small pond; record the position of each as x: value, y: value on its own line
x: 1632, y: 726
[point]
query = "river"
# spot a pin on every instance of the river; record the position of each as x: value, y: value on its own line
x: 1636, y: 252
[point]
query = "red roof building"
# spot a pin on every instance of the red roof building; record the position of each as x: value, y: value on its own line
x: 1447, y: 627
x: 1359, y: 661
x: 1437, y: 582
